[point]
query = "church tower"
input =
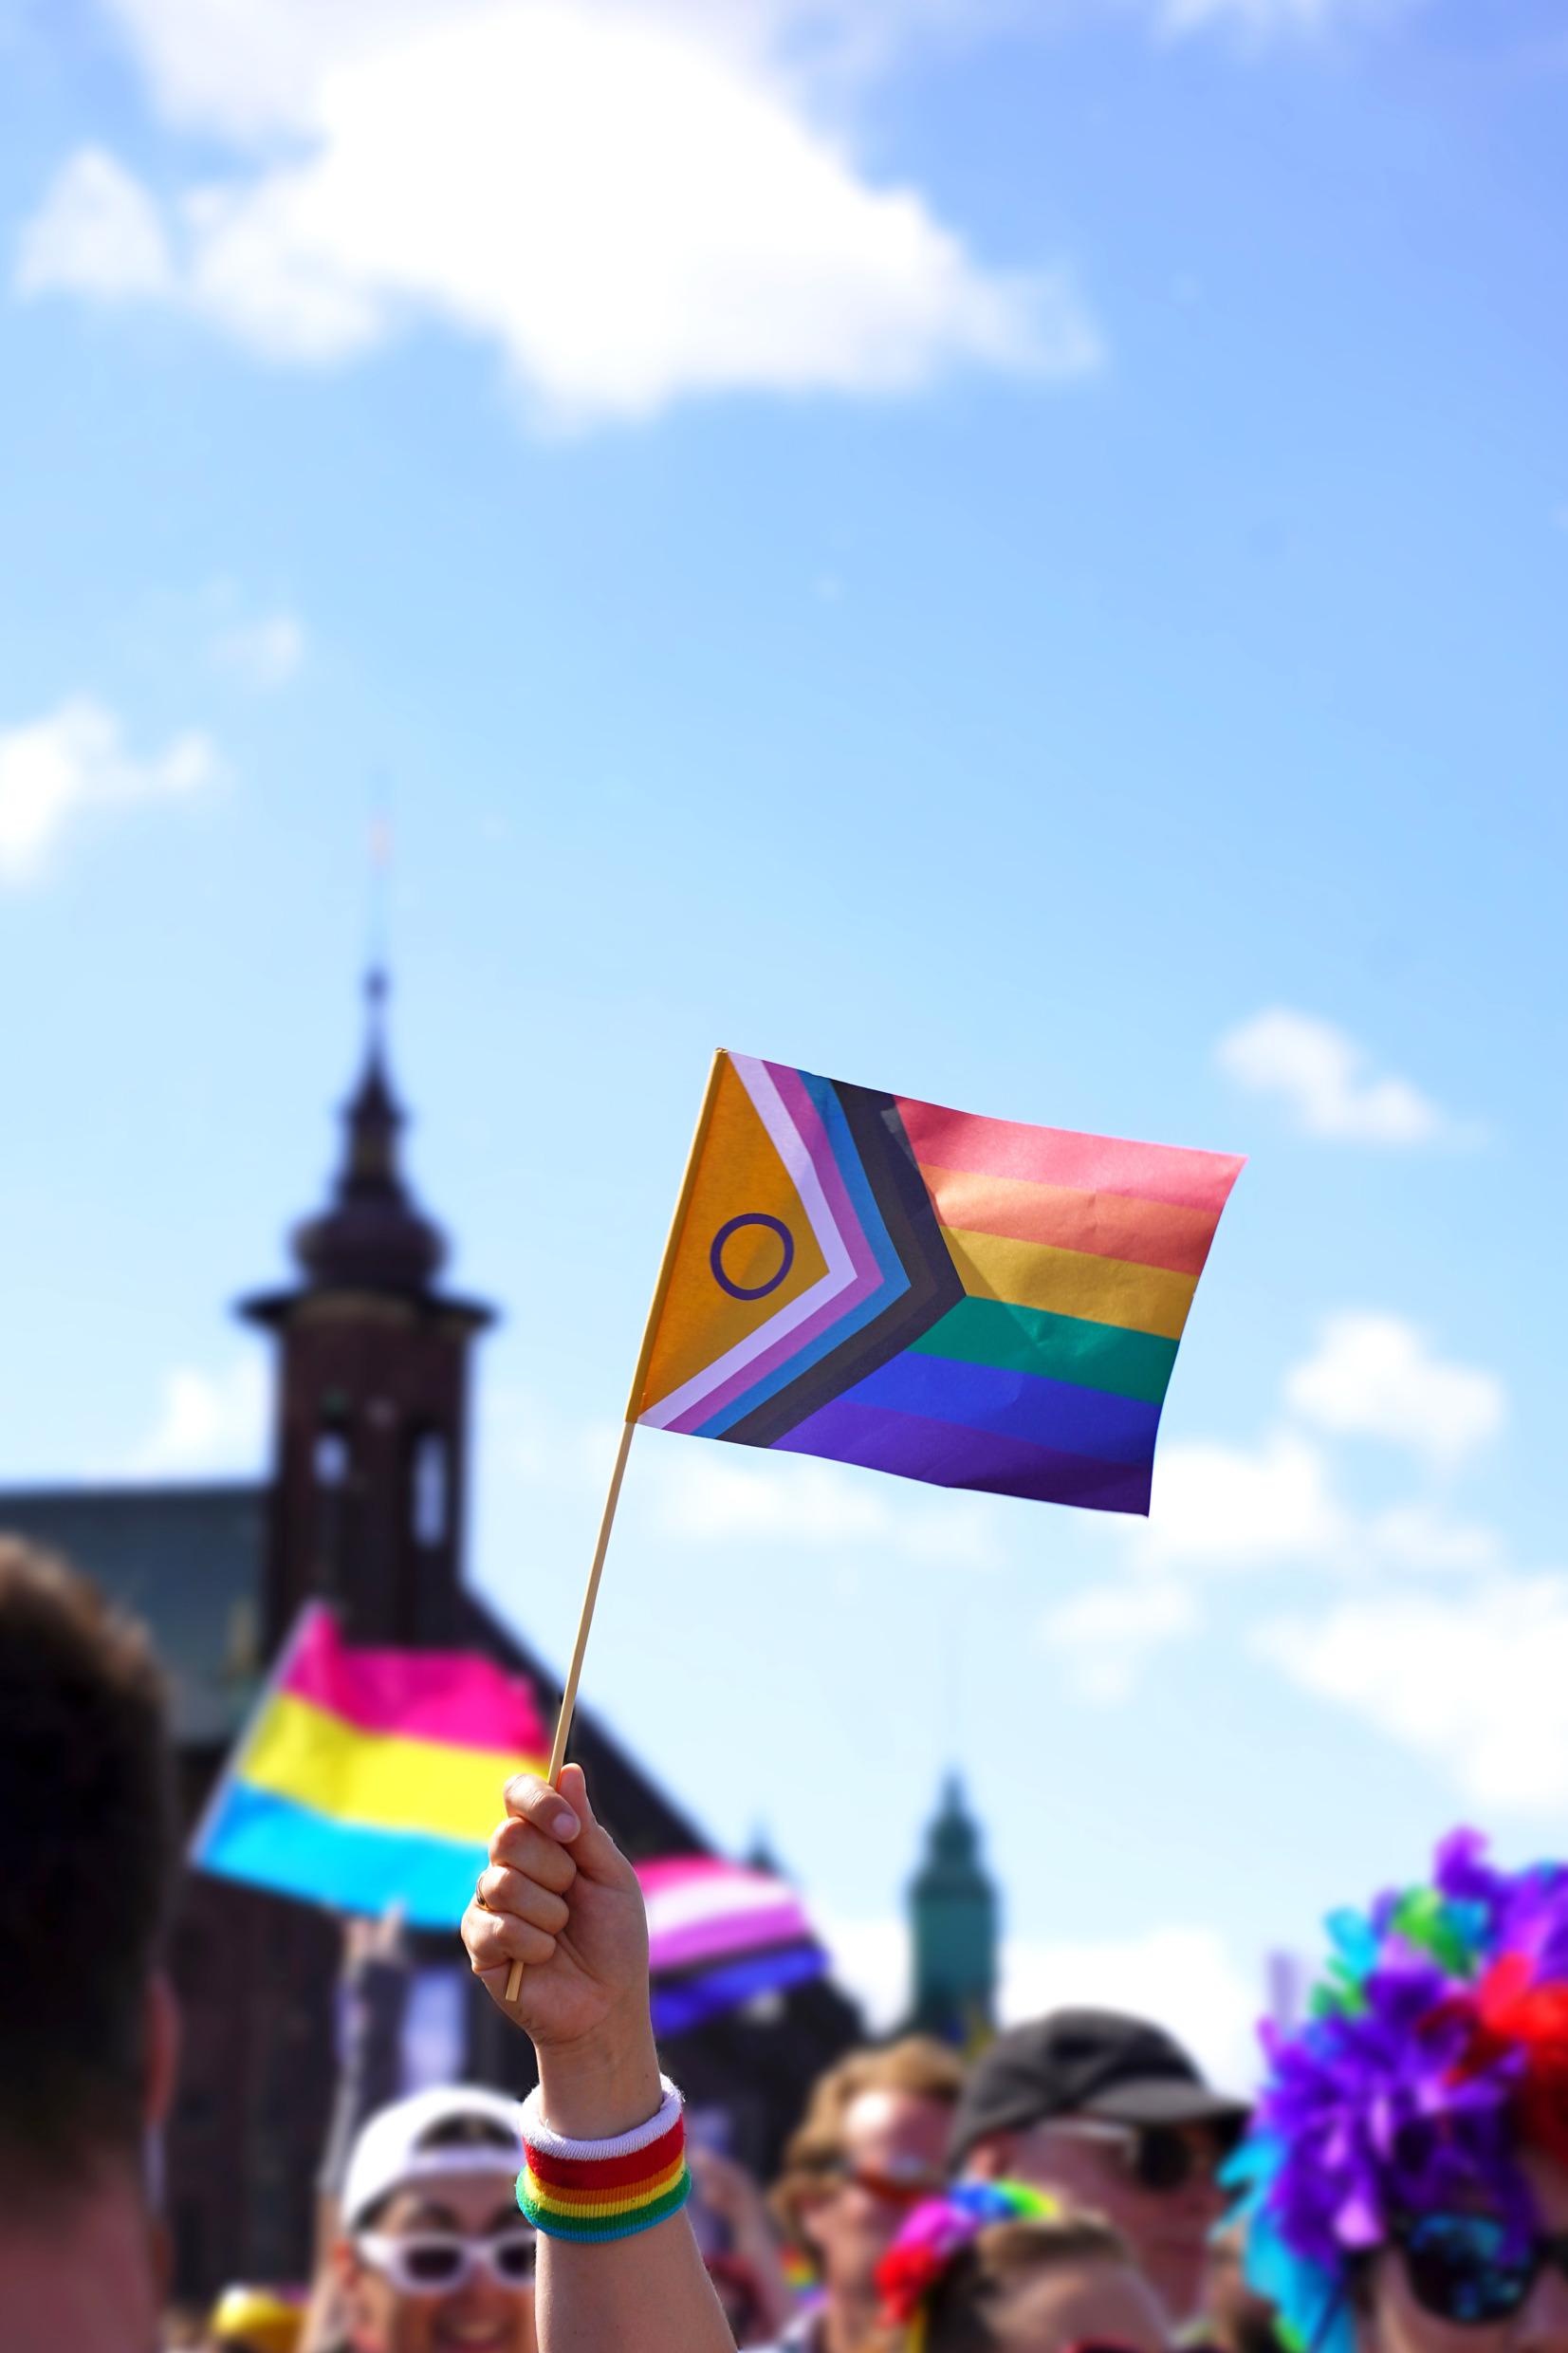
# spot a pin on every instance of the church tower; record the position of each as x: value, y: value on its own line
x: 954, y: 1917
x: 368, y: 1479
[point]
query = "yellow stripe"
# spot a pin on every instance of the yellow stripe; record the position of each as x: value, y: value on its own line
x: 1064, y: 1282
x: 301, y: 1752
x: 620, y: 2202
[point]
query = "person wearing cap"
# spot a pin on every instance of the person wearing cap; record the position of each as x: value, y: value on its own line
x: 1113, y: 2117
x: 432, y: 2255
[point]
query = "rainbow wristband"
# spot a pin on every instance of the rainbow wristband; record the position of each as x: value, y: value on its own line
x: 594, y: 2191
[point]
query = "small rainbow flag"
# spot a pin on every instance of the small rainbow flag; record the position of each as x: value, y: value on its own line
x: 370, y: 1777
x: 954, y: 1299
x: 719, y: 1934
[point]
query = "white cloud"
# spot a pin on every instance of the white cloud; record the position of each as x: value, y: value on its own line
x: 56, y: 771
x: 1106, y: 1634
x: 1376, y: 1376
x: 1185, y: 1977
x: 1471, y: 1680
x: 262, y: 653
x: 97, y: 232
x: 1220, y: 1506
x: 1423, y: 1536
x: 1323, y: 1079
x: 207, y: 1424
x: 720, y: 1495
x: 633, y: 202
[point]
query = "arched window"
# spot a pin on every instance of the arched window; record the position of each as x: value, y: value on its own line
x: 429, y: 1501
x: 331, y: 1460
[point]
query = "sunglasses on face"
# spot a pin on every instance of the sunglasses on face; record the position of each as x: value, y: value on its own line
x: 1469, y: 2269
x: 437, y: 2263
x: 895, y: 2185
x: 1159, y: 2157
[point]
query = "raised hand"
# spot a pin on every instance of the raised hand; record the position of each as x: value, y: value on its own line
x: 559, y: 1896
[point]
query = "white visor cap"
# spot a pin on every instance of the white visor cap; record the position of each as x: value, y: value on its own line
x: 390, y: 2153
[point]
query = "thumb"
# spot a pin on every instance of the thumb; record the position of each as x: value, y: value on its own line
x: 593, y: 1850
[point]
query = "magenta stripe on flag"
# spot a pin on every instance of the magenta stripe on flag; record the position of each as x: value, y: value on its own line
x: 450, y: 1697
x: 743, y: 1931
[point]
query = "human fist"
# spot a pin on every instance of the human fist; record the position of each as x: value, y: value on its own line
x: 559, y: 1896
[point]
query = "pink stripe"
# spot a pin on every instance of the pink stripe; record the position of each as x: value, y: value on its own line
x: 1058, y: 1156
x: 809, y: 1126
x: 449, y: 1697
x: 711, y: 1940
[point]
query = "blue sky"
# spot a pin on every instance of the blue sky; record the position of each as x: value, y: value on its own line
x: 1012, y: 552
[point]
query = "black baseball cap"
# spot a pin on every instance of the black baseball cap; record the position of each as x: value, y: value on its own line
x: 1084, y: 2062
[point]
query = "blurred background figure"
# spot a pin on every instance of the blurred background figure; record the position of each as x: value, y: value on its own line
x: 871, y: 2144
x: 965, y: 2276
x: 86, y: 2023
x: 1236, y: 2318
x: 257, y: 2320
x: 739, y: 2245
x: 1110, y: 2115
x: 431, y: 2252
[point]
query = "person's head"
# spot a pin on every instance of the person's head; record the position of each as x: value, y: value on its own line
x: 1405, y: 2187
x: 87, y: 1846
x: 871, y: 2144
x: 995, y: 2268
x: 434, y: 2256
x: 1110, y: 2115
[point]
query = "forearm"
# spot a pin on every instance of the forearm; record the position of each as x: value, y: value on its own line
x: 647, y: 2294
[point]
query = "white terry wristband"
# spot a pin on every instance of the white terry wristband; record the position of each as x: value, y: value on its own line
x: 539, y: 2136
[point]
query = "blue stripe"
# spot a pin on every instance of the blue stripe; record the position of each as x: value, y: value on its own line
x: 893, y: 1284
x: 1057, y: 1413
x: 688, y: 2002
x: 273, y: 1842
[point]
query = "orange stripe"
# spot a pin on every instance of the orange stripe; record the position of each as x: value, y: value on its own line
x: 581, y: 2202
x: 1110, y: 1225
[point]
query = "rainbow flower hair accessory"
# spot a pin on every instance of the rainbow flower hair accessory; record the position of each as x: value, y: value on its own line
x: 936, y: 2232
x: 1436, y: 2045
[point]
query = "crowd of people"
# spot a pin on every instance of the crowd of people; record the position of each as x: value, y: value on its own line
x: 1400, y: 2184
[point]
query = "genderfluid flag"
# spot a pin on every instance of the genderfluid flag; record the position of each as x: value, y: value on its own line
x: 719, y: 1934
x: 961, y: 1299
x: 369, y: 1777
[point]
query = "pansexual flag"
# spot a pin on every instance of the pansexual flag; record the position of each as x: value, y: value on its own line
x: 955, y: 1298
x: 720, y: 1934
x: 369, y: 1777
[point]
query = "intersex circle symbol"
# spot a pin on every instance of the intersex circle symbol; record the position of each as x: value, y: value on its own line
x: 733, y: 1224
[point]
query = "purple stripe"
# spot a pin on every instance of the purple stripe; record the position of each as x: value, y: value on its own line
x: 946, y: 1453
x: 803, y: 1117
x: 711, y: 1940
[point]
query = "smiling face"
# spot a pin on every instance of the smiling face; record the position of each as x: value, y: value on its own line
x: 1392, y: 2320
x: 481, y: 2316
x: 894, y: 2144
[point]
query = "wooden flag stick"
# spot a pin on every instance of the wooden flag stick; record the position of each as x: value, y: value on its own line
x: 633, y: 1407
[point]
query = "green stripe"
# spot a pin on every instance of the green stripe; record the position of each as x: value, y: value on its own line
x: 1060, y: 1348
x: 598, y: 2231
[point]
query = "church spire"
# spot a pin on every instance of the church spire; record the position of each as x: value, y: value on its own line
x: 953, y: 1914
x: 369, y: 1476
x: 372, y: 1236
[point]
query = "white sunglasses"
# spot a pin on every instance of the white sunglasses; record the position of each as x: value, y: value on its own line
x: 437, y: 2263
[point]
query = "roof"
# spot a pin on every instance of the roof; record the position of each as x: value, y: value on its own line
x: 187, y: 1560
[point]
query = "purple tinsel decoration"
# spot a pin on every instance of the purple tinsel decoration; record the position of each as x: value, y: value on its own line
x: 1377, y: 2108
